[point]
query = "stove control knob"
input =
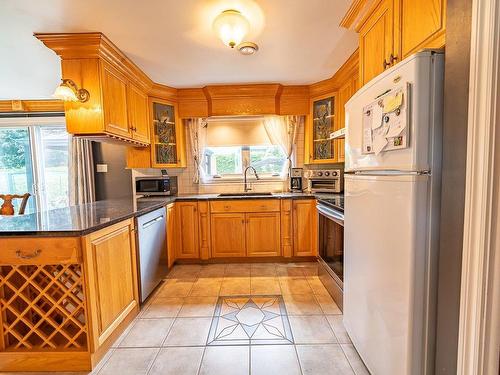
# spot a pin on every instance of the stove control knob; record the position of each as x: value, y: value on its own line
x: 320, y: 174
x: 335, y: 173
x: 327, y: 174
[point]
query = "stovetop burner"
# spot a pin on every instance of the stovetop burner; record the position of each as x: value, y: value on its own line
x: 336, y: 202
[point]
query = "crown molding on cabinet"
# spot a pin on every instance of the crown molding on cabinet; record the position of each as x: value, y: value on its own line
x: 158, y: 90
x: 98, y: 46
x: 228, y: 100
x: 348, y: 69
x: 249, y: 99
x: 354, y: 12
x: 51, y: 105
x: 212, y: 100
x: 293, y: 100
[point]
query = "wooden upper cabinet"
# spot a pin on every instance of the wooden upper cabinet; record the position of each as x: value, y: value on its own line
x: 114, y: 97
x: 305, y: 229
x: 166, y: 133
x: 394, y: 29
x: 376, y: 41
x: 263, y: 234
x: 422, y: 25
x: 167, y: 141
x: 187, y: 230
x: 345, y: 92
x: 319, y: 148
x: 116, y: 108
x: 138, y: 113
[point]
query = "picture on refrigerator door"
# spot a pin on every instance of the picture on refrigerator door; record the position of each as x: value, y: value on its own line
x: 385, y: 122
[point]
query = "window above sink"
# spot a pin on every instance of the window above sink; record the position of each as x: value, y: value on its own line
x: 233, y: 144
x: 230, y: 162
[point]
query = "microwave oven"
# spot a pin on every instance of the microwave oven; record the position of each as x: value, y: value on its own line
x: 157, y: 185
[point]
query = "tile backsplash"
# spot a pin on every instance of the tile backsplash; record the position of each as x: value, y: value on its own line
x: 185, y: 175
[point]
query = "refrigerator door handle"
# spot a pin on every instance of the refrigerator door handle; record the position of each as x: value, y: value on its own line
x: 390, y: 172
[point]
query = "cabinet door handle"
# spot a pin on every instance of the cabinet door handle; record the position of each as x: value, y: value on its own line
x: 22, y: 255
x: 393, y: 59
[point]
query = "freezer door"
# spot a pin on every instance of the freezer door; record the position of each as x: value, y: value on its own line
x: 385, y: 268
x: 422, y: 74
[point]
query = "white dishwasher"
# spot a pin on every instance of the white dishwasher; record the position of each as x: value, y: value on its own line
x: 152, y: 255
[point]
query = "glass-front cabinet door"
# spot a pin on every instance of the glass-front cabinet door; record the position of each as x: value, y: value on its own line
x: 322, y: 149
x: 168, y: 136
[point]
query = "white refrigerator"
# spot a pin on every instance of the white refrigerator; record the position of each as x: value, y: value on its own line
x: 391, y: 217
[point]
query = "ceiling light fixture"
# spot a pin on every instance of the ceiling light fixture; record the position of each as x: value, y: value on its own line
x: 68, y: 91
x: 231, y: 27
x: 247, y: 48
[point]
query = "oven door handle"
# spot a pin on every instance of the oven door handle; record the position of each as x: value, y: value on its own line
x: 330, y: 214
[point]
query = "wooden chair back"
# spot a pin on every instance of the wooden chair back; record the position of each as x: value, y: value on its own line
x: 7, y: 207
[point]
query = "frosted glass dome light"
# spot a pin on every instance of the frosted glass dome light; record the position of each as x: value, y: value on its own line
x: 231, y: 27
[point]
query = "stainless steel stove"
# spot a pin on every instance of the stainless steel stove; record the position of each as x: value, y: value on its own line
x: 331, y: 244
x: 336, y: 202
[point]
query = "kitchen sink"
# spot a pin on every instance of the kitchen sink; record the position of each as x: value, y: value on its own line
x: 244, y: 194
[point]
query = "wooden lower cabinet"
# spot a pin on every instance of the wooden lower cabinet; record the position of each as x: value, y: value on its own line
x: 305, y: 227
x: 204, y: 223
x: 187, y: 230
x: 73, y: 295
x: 171, y: 251
x: 286, y: 228
x: 228, y: 234
x: 110, y: 256
x: 242, y: 228
x: 263, y: 234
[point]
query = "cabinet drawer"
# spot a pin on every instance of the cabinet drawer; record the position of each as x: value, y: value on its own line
x: 246, y: 205
x: 63, y: 250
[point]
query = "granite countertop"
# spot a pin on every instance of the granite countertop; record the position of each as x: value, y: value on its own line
x: 87, y: 218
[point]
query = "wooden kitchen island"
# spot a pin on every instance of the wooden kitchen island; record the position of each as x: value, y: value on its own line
x: 68, y: 285
x: 69, y: 279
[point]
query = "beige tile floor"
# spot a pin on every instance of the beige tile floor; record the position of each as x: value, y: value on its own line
x: 170, y: 334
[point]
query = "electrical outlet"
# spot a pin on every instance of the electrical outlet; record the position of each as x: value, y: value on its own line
x: 101, y: 168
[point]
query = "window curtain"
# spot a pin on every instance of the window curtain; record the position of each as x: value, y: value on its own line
x: 282, y: 131
x: 197, y: 129
x: 81, y: 172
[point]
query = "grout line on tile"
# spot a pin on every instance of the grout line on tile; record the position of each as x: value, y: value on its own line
x: 348, y: 360
x: 202, y: 358
x: 153, y: 362
x: 298, y: 358
x: 103, y: 361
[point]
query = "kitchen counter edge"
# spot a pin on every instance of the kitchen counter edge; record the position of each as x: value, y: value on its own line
x: 143, y: 206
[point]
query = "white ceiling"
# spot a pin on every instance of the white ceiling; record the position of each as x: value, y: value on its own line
x: 172, y: 41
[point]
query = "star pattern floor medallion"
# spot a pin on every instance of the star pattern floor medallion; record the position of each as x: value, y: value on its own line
x: 245, y: 320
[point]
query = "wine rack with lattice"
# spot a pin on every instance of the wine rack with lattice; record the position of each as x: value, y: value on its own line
x: 43, y: 307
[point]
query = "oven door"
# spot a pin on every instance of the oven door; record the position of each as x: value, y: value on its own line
x: 331, y: 241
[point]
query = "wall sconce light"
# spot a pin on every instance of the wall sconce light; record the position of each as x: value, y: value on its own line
x: 68, y: 91
x: 231, y: 27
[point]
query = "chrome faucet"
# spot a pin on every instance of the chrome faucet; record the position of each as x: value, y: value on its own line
x: 246, y: 188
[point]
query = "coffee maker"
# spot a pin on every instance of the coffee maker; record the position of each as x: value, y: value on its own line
x: 296, y: 180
